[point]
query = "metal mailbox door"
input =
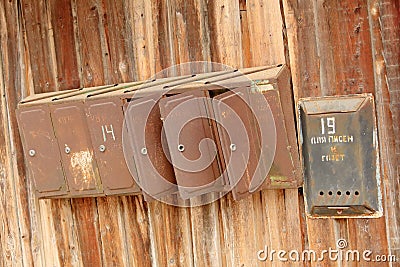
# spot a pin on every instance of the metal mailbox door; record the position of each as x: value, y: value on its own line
x: 70, y: 127
x: 188, y: 124
x: 145, y: 133
x: 340, y: 154
x: 41, y: 151
x: 284, y: 172
x: 248, y: 156
x: 105, y: 120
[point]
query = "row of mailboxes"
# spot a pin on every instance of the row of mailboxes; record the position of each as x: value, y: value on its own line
x: 109, y: 140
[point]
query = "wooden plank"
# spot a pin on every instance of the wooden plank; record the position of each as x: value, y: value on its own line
x: 141, y: 24
x: 189, y: 32
x: 50, y: 250
x: 84, y: 212
x: 119, y: 42
x: 137, y: 230
x: 40, y: 45
x: 162, y: 32
x: 266, y: 32
x: 335, y: 26
x: 17, y: 227
x: 66, y: 239
x: 383, y: 16
x: 302, y: 42
x: 171, y: 235
x: 345, y: 27
x: 90, y: 49
x: 66, y: 58
x: 244, y: 232
x: 225, y: 35
x: 112, y: 230
x: 244, y: 23
x: 9, y: 237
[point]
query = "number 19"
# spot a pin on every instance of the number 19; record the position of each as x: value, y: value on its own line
x: 330, y: 123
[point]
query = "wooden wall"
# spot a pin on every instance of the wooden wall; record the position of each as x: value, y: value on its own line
x: 332, y: 47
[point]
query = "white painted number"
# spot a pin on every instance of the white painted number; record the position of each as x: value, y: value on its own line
x: 107, y: 130
x: 330, y: 123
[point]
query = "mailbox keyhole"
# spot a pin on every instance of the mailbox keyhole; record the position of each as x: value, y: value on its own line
x: 181, y: 147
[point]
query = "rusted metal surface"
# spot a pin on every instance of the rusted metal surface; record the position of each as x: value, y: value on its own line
x: 88, y: 125
x: 340, y: 154
x: 71, y: 130
x: 105, y: 120
x: 284, y: 173
x: 41, y: 151
x: 249, y: 164
x: 195, y: 159
x: 149, y: 150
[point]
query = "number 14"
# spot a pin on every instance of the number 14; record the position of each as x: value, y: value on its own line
x: 330, y: 125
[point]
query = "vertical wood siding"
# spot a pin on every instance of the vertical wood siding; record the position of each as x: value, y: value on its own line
x: 332, y: 47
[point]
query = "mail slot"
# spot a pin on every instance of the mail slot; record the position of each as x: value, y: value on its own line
x: 340, y: 155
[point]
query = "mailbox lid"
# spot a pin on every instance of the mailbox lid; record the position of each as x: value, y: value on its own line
x: 105, y: 120
x: 71, y: 131
x: 147, y: 145
x: 340, y: 154
x: 285, y: 170
x: 192, y: 111
x: 249, y: 162
x: 41, y: 151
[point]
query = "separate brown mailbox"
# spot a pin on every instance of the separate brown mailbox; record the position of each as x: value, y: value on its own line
x: 196, y: 163
x: 41, y: 151
x: 145, y: 134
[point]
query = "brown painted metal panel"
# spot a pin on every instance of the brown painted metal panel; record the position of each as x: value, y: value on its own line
x: 284, y: 173
x: 196, y: 163
x: 105, y: 121
x: 70, y: 127
x: 149, y: 148
x: 41, y: 151
x: 247, y: 164
x: 256, y: 108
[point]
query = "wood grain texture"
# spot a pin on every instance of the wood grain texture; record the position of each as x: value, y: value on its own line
x: 328, y: 27
x: 118, y: 37
x: 89, y: 43
x: 40, y: 42
x: 384, y: 15
x: 14, y: 188
x: 64, y: 44
x: 137, y: 230
x: 225, y: 34
x: 112, y: 233
x: 88, y: 230
x: 265, y: 32
x: 333, y: 47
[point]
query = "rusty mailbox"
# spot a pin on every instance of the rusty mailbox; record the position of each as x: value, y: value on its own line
x: 119, y: 139
x: 340, y: 155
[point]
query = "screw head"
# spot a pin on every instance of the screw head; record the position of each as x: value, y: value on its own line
x: 143, y: 151
x: 233, y: 147
x: 67, y: 150
x: 181, y: 148
x: 102, y: 148
x: 32, y: 153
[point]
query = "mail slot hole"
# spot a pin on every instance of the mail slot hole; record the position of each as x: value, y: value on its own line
x: 339, y: 193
